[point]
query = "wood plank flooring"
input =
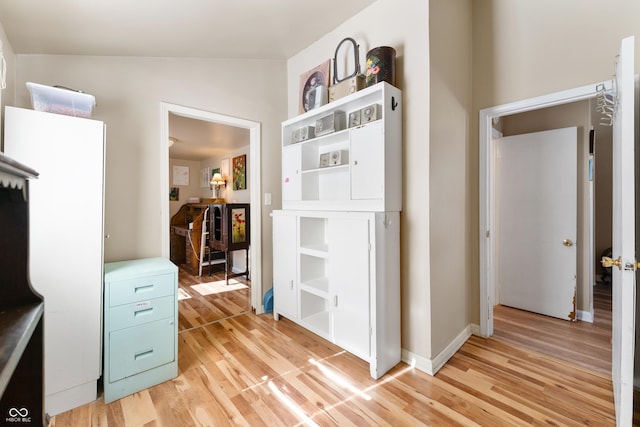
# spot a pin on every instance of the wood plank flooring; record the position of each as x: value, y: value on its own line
x: 253, y: 371
x: 206, y: 299
x: 583, y: 343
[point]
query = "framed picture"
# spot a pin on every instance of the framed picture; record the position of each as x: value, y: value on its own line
x: 238, y: 225
x: 314, y: 87
x: 181, y: 175
x: 240, y: 172
x: 205, y: 177
x: 174, y: 194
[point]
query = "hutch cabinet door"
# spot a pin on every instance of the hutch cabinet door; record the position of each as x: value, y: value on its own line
x: 291, y: 179
x: 349, y: 283
x: 285, y: 286
x: 367, y: 162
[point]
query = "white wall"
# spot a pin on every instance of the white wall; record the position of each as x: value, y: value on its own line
x: 403, y: 25
x: 450, y: 78
x: 128, y: 93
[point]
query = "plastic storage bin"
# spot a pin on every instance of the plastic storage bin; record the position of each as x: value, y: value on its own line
x: 61, y: 101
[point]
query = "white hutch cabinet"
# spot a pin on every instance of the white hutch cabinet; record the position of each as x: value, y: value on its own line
x: 336, y: 242
x: 368, y: 176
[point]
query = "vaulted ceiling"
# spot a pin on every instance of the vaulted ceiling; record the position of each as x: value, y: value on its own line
x: 257, y: 29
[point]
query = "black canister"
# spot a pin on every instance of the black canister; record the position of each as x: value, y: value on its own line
x: 381, y: 66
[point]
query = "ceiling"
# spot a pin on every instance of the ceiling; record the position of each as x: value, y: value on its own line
x: 198, y: 139
x: 256, y: 29
x: 234, y: 29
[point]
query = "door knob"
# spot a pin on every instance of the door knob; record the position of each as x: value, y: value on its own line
x: 567, y: 242
x: 610, y: 262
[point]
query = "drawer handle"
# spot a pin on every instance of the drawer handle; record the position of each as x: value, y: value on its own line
x: 143, y: 354
x: 142, y: 312
x: 143, y: 288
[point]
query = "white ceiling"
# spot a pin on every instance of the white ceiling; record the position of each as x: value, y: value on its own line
x: 199, y: 140
x: 254, y: 29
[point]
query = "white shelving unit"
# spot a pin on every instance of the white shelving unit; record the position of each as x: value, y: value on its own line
x: 348, y: 291
x: 369, y: 175
x: 336, y: 242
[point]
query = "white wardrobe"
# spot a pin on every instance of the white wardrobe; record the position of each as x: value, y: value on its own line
x: 66, y: 244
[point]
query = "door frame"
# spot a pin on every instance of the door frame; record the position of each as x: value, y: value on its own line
x: 487, y: 171
x: 255, y: 250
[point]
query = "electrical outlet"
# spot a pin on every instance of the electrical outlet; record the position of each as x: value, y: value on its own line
x: 267, y: 199
x: 190, y: 226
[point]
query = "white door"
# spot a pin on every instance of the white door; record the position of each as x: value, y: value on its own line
x: 624, y: 277
x: 349, y: 283
x: 537, y: 216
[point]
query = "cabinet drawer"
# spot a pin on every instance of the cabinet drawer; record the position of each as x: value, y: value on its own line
x: 141, y: 312
x: 140, y: 289
x: 141, y: 348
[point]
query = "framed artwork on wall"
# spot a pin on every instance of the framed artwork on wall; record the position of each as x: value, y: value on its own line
x: 240, y: 172
x: 181, y: 175
x: 174, y: 194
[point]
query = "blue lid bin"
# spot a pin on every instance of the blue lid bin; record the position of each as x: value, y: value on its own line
x: 267, y: 302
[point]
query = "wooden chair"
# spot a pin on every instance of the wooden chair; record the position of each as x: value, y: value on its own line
x: 207, y: 256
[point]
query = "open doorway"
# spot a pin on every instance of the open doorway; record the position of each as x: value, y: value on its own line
x: 536, y: 115
x: 232, y: 127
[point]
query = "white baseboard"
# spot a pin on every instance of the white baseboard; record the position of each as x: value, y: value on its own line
x: 432, y: 366
x: 585, y: 316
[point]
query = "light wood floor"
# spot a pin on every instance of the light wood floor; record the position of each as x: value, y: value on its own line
x: 251, y: 370
x: 206, y: 299
x: 583, y: 343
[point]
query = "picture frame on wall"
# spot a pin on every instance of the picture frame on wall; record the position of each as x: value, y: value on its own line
x: 239, y: 165
x: 174, y: 194
x: 181, y: 175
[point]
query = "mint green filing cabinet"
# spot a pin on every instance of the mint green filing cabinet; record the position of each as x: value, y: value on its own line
x: 140, y: 325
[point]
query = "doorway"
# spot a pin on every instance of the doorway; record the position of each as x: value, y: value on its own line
x: 496, y: 117
x: 253, y: 184
x: 488, y: 219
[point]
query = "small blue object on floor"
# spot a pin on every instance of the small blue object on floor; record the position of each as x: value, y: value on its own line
x: 267, y: 302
